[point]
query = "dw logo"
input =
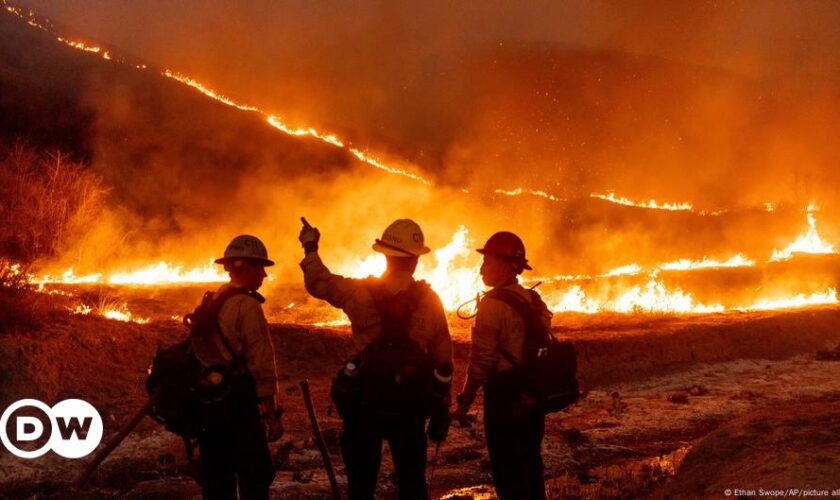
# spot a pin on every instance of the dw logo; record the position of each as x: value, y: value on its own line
x: 75, y: 428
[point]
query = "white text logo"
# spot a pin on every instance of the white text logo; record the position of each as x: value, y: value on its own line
x: 75, y: 428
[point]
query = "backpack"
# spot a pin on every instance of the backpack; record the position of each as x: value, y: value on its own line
x: 548, y: 372
x: 190, y: 397
x: 395, y: 373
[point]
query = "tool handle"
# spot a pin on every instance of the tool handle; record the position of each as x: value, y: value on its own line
x: 305, y: 223
x: 114, y: 442
x: 319, y: 438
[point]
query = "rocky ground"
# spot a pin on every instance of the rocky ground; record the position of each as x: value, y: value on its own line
x: 701, y: 420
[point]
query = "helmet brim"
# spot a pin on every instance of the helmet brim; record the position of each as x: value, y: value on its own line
x: 263, y: 262
x: 393, y: 251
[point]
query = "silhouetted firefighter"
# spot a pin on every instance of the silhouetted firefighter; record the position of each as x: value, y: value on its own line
x: 219, y: 385
x: 403, y: 370
x: 525, y: 372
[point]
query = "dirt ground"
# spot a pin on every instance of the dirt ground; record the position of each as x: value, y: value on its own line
x: 694, y: 428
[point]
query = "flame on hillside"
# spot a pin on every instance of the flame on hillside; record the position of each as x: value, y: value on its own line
x: 738, y: 260
x: 521, y: 191
x: 655, y: 297
x: 454, y: 274
x: 620, y: 200
x: 652, y: 297
x: 452, y: 270
x: 160, y: 273
x: 116, y: 313
x: 800, y: 300
x: 809, y: 242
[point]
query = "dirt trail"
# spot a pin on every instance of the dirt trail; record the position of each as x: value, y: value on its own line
x: 626, y: 439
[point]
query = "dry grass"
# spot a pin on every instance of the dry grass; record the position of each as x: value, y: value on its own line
x: 45, y: 202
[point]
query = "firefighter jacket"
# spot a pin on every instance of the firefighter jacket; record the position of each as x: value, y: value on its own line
x: 498, y: 327
x: 243, y: 323
x: 428, y: 325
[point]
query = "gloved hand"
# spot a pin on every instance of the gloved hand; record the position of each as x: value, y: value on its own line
x: 464, y: 420
x: 271, y: 414
x: 439, y: 425
x: 309, y: 236
x: 273, y: 424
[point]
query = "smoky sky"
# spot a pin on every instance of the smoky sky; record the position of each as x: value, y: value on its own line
x: 420, y: 79
x: 748, y: 37
x: 585, y: 95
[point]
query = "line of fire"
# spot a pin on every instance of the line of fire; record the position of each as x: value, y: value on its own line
x: 670, y: 171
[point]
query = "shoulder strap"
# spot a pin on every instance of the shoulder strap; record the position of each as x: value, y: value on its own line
x: 524, y: 308
x: 214, y: 301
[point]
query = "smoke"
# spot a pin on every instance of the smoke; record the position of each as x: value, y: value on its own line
x: 725, y: 106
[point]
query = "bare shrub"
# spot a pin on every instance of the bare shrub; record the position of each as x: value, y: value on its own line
x: 46, y: 201
x: 44, y: 198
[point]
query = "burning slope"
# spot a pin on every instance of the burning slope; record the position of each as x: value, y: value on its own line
x: 611, y: 197
x: 455, y: 278
x: 809, y: 243
x: 628, y: 288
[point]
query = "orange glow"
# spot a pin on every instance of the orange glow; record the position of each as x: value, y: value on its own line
x: 278, y: 124
x: 653, y: 297
x: 332, y: 323
x: 810, y: 242
x: 521, y: 191
x: 572, y: 300
x: 163, y: 272
x: 611, y: 197
x: 454, y: 275
x: 206, y: 91
x: 801, y: 300
x: 153, y: 274
x: 627, y: 270
x: 68, y: 277
x: 117, y: 313
x: 452, y: 270
x: 737, y: 260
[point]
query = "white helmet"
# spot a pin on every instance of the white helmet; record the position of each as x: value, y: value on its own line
x: 403, y: 238
x: 246, y: 246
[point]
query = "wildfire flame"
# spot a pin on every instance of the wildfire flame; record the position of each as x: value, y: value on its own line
x: 738, y: 260
x: 827, y: 297
x: 206, y: 91
x: 160, y: 273
x: 163, y: 272
x: 454, y: 274
x: 521, y: 191
x: 654, y: 296
x: 117, y: 313
x: 611, y: 197
x: 627, y: 270
x: 810, y: 242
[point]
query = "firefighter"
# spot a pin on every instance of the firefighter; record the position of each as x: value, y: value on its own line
x: 513, y: 425
x: 235, y: 452
x: 402, y: 372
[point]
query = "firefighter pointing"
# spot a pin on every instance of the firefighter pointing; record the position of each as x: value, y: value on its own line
x: 402, y: 372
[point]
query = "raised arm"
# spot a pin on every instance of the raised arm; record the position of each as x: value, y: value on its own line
x: 319, y: 281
